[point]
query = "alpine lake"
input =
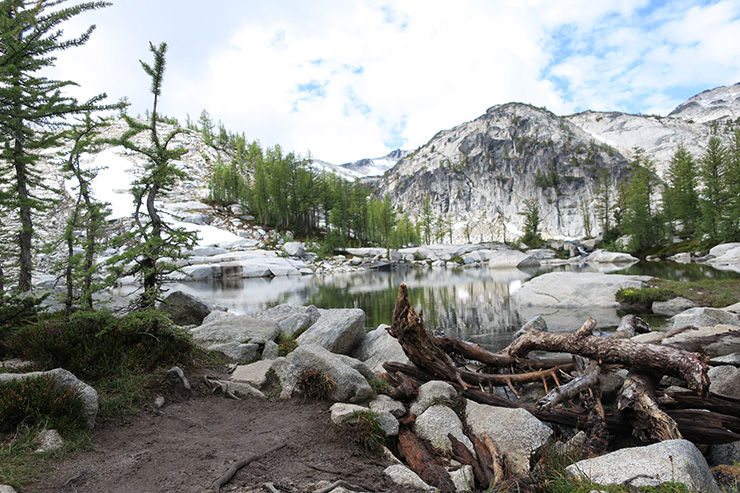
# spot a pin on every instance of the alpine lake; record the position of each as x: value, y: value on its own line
x: 477, y: 304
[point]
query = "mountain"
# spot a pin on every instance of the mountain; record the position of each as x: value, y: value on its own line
x: 478, y: 175
x: 375, y: 166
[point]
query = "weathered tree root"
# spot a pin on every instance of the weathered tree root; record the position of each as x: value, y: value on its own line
x: 226, y: 477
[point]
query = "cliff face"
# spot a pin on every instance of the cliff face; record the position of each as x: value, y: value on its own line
x: 479, y: 174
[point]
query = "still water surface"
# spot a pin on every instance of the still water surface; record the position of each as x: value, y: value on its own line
x: 476, y: 304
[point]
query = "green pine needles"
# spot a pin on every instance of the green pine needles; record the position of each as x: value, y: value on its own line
x: 152, y: 244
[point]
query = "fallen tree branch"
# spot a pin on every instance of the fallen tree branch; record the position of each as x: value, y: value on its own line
x: 475, y: 352
x: 686, y: 365
x: 587, y: 379
x: 226, y: 477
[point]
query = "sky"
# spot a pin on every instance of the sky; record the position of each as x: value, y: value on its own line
x: 342, y: 81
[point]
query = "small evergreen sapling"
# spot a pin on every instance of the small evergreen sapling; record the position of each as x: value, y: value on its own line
x: 153, y: 245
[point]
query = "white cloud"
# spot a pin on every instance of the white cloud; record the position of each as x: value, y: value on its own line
x: 348, y: 80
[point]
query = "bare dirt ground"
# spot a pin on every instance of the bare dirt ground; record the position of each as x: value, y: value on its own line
x: 188, y: 445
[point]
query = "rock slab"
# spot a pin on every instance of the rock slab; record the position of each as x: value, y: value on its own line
x: 671, y: 460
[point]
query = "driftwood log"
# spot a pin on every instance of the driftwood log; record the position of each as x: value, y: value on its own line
x: 418, y: 344
x: 420, y: 459
x: 637, y: 400
x: 666, y: 360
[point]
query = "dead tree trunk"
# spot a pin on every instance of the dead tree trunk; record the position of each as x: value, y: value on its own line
x: 421, y: 348
x: 637, y: 401
x: 651, y: 358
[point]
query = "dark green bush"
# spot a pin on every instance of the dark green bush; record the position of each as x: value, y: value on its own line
x: 32, y: 401
x: 97, y: 344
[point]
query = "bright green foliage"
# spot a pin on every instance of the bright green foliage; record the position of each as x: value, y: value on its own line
x: 86, y: 221
x: 640, y: 220
x: 531, y: 237
x: 228, y: 184
x: 98, y: 344
x: 426, y: 221
x: 680, y: 198
x: 713, y: 192
x: 732, y: 179
x: 31, y: 108
x: 152, y: 240
x: 32, y: 401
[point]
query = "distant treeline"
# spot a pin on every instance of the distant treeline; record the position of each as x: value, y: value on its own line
x: 285, y: 191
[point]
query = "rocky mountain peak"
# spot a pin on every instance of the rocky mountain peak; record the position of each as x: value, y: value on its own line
x: 478, y: 175
x: 711, y: 105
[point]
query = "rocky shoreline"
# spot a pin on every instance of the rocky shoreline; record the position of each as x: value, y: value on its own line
x: 336, y: 343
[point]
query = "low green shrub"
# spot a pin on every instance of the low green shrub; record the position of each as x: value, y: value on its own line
x: 97, y: 344
x: 33, y: 401
x: 644, y: 295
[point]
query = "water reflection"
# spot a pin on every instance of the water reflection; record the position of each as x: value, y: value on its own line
x: 474, y: 304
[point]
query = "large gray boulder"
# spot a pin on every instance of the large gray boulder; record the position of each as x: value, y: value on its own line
x: 338, y: 330
x: 725, y: 257
x: 348, y: 374
x: 671, y: 460
x: 511, y: 258
x: 436, y: 423
x: 239, y: 337
x: 701, y: 316
x: 65, y: 379
x: 184, y: 308
x: 724, y: 379
x: 255, y: 374
x: 514, y: 431
x: 724, y: 453
x: 228, y: 328
x: 604, y: 257
x: 674, y: 306
x: 570, y: 289
x: 377, y: 347
x: 295, y: 249
x: 431, y: 393
x: 383, y: 403
x: 291, y: 319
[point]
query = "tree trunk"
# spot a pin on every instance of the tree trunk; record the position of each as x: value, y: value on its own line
x: 666, y: 360
x: 637, y: 401
x: 421, y: 348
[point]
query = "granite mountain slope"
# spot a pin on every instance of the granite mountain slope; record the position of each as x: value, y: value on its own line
x: 477, y: 175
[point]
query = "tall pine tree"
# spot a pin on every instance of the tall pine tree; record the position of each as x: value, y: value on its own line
x: 32, y: 106
x: 681, y: 199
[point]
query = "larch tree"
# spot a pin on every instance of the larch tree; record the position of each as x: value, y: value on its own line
x: 681, y: 199
x: 32, y: 107
x: 714, y: 193
x: 153, y: 244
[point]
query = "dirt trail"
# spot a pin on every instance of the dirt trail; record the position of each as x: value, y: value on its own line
x: 190, y: 444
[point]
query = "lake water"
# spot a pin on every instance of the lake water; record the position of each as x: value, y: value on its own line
x: 476, y: 304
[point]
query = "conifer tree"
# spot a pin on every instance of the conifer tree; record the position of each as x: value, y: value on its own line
x: 32, y: 106
x: 87, y: 219
x: 153, y: 244
x: 639, y: 218
x: 681, y: 199
x: 714, y: 193
x: 732, y: 232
